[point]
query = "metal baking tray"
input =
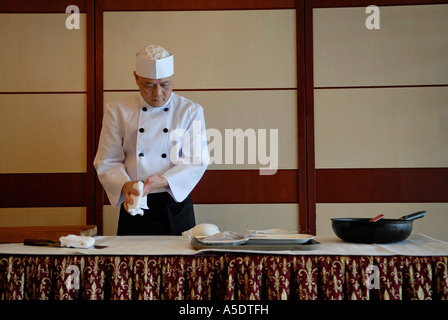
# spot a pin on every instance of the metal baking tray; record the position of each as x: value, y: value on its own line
x: 253, y: 246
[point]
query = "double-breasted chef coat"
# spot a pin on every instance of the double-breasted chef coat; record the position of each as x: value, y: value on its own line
x: 138, y: 140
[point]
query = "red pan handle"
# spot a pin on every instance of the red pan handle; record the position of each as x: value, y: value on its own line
x: 378, y: 217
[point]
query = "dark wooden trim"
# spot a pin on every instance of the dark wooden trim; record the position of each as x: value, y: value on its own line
x: 99, y: 87
x: 19, y: 234
x: 44, y: 92
x: 301, y: 119
x: 91, y: 146
x: 366, y: 3
x: 245, y: 187
x: 309, y: 102
x: 43, y: 190
x: 382, y: 185
x: 210, y: 89
x: 181, y: 5
x: 385, y: 87
x: 41, y: 6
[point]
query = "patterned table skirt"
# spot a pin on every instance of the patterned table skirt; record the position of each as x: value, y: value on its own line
x: 226, y: 276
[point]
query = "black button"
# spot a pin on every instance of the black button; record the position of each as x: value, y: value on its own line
x: 164, y: 130
x: 141, y: 130
x: 164, y: 155
x: 140, y: 154
x: 166, y: 109
x: 144, y: 109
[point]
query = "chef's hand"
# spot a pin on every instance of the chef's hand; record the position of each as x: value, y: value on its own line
x: 154, y: 182
x: 127, y: 190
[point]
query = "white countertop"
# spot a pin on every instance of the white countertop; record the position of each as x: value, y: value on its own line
x: 415, y: 245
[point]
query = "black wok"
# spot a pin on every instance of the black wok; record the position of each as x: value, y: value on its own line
x: 361, y: 230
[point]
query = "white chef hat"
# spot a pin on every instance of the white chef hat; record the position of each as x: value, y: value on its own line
x: 154, y: 62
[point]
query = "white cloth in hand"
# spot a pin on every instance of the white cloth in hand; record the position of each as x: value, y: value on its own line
x: 74, y: 241
x: 138, y: 202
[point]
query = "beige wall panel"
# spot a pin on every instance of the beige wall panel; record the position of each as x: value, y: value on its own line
x: 434, y: 224
x: 110, y: 220
x: 19, y: 217
x: 240, y: 217
x: 376, y: 128
x: 249, y: 111
x: 228, y: 217
x: 40, y: 54
x: 43, y: 133
x: 411, y: 46
x: 212, y: 49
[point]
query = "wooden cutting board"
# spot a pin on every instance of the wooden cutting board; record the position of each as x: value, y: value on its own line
x: 19, y: 234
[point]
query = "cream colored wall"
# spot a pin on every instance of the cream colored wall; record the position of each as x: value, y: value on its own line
x: 49, y: 133
x: 40, y: 54
x: 212, y: 49
x: 409, y: 48
x: 382, y: 127
x: 219, y: 50
x: 42, y: 132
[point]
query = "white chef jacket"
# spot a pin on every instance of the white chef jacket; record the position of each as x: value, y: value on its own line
x: 138, y: 141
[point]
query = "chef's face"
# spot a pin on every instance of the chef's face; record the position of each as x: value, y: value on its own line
x: 155, y: 91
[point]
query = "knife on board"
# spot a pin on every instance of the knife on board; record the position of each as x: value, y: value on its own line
x: 51, y: 243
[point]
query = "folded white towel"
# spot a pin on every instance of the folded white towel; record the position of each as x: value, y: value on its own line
x: 77, y: 241
x: 139, y: 202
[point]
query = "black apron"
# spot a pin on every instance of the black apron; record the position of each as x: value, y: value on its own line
x: 165, y: 216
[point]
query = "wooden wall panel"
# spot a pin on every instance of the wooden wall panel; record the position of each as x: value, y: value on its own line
x: 43, y: 190
x: 182, y: 5
x: 246, y: 186
x: 382, y: 185
x: 45, y: 216
x: 379, y: 110
x: 409, y: 48
x: 47, y: 6
x: 381, y: 127
x: 43, y: 133
x: 212, y: 49
x: 39, y: 54
x: 46, y: 105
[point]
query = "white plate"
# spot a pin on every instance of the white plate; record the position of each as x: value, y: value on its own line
x: 297, y: 238
x: 217, y: 242
x: 272, y: 231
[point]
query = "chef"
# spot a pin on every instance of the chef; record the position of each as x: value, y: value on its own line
x: 157, y: 137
